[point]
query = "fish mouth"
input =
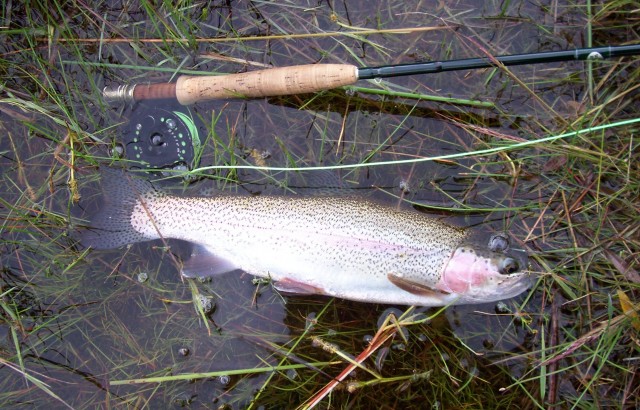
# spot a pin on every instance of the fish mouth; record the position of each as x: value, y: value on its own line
x: 505, y: 286
x: 515, y: 284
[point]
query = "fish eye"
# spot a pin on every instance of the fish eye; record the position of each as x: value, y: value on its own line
x: 499, y: 242
x: 509, y: 266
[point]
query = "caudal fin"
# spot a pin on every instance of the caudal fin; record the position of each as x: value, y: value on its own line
x: 110, y: 227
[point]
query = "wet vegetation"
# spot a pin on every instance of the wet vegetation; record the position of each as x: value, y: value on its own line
x: 548, y: 153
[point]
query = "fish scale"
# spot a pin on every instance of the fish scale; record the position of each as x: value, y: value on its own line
x: 340, y: 246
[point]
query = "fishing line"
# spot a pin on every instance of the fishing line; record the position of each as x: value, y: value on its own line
x: 427, y: 159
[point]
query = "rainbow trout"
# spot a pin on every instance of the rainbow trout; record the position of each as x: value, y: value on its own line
x: 344, y: 247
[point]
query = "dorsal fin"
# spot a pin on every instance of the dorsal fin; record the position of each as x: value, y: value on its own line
x: 414, y: 287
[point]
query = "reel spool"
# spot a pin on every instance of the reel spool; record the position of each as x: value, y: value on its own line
x: 159, y: 139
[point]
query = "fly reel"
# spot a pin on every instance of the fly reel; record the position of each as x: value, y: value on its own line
x: 160, y: 139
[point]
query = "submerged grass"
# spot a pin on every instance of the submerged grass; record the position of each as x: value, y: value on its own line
x: 549, y: 153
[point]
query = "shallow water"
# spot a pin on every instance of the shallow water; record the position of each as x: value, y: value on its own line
x: 85, y: 321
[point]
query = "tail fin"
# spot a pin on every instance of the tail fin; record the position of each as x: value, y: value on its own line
x: 110, y: 227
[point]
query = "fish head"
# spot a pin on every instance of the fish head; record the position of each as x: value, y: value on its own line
x: 477, y: 275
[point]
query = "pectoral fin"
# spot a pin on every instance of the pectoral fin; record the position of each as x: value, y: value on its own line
x: 414, y: 287
x: 202, y: 264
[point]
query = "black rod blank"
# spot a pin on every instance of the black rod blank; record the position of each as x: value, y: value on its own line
x: 594, y: 53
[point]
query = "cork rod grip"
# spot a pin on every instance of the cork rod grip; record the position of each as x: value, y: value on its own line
x: 265, y: 83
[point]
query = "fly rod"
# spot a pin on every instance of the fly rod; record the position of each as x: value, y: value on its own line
x: 317, y: 77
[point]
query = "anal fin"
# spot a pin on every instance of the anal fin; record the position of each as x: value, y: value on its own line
x: 414, y: 287
x: 293, y: 287
x: 203, y: 264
